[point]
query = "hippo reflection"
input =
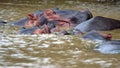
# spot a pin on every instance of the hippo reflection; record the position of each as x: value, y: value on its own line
x: 97, y: 23
x: 105, y: 45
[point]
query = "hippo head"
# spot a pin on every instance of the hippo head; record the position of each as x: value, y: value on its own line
x: 45, y: 29
x: 30, y: 20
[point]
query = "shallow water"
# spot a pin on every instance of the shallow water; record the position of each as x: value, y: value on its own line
x: 52, y: 51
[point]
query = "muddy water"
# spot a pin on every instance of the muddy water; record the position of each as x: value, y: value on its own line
x: 52, y: 51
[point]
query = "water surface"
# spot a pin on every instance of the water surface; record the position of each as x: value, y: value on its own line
x: 52, y: 51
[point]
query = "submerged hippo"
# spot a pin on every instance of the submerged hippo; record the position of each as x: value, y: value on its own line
x: 109, y: 47
x: 97, y: 23
x: 105, y: 45
x: 42, y: 17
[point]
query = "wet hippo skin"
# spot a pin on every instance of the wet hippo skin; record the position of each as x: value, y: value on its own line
x: 98, y: 23
x: 75, y: 17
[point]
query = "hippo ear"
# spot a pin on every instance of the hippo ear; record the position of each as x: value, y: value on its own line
x: 30, y: 16
x: 48, y: 12
x: 88, y: 12
x: 109, y: 36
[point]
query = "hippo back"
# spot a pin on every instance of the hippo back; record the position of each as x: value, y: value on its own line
x: 98, y: 23
x: 102, y: 23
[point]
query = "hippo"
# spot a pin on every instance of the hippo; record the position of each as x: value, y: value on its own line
x: 2, y: 23
x: 97, y: 23
x: 105, y: 44
x: 40, y: 18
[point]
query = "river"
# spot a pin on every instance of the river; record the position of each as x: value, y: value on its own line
x: 49, y: 50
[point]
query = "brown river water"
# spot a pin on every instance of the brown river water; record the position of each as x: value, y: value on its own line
x: 49, y: 50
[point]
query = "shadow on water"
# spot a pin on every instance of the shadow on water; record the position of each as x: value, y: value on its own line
x: 53, y: 51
